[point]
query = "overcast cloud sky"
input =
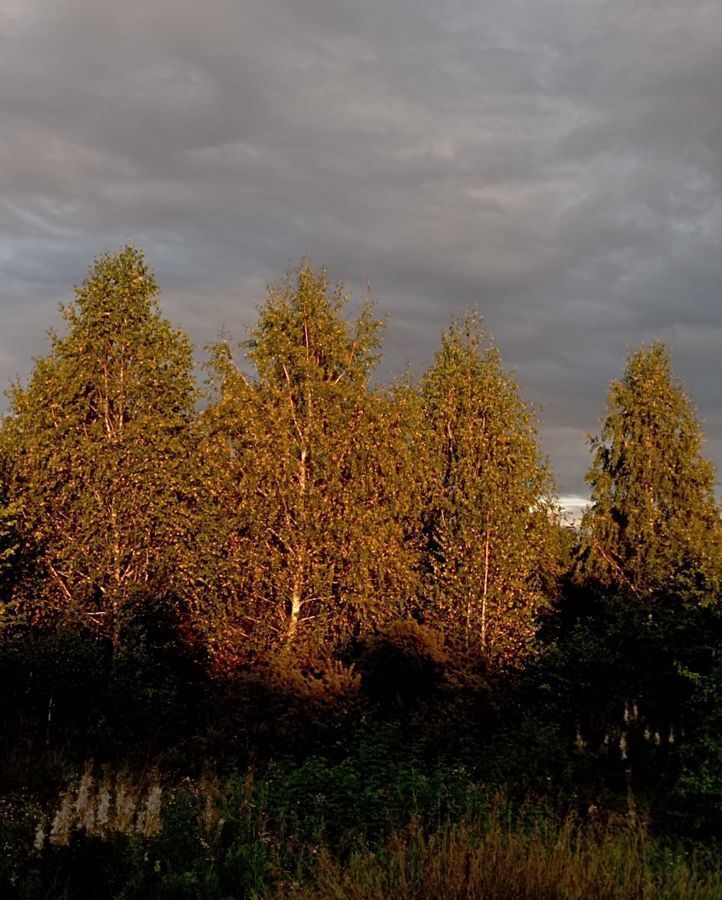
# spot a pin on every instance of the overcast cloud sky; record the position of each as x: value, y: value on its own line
x: 554, y: 162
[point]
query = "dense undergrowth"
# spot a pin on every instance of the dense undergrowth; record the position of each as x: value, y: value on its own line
x: 399, y: 767
x: 255, y: 840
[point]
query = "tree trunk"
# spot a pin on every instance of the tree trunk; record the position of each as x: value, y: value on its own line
x: 485, y: 590
x: 297, y: 582
x: 295, y: 608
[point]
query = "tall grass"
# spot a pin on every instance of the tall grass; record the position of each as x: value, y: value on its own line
x: 496, y: 859
x: 299, y: 835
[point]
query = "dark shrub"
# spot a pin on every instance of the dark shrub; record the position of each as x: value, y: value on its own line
x: 402, y: 664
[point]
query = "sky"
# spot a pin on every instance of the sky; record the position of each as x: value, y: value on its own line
x: 554, y: 164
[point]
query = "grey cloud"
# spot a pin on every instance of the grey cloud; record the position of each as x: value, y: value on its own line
x: 555, y: 163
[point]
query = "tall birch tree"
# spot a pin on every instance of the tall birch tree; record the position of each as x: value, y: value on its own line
x: 96, y: 456
x: 491, y: 519
x: 314, y: 470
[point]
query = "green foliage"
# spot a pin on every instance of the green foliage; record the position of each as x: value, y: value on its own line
x: 8, y: 541
x: 635, y: 699
x: 695, y: 804
x: 312, y: 473
x: 320, y: 832
x: 9, y: 555
x: 491, y: 521
x: 64, y: 691
x: 96, y: 453
x: 653, y: 523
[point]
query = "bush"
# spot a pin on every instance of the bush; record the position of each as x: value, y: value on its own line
x: 403, y: 664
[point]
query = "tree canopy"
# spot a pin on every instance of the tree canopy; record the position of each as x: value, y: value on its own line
x: 305, y: 504
x: 314, y: 471
x: 491, y: 520
x: 653, y: 524
x: 95, y: 451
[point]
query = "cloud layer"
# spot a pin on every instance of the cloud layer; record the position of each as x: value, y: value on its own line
x: 556, y: 164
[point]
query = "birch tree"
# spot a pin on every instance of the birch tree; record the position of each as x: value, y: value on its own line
x: 314, y: 472
x: 96, y: 452
x: 491, y: 519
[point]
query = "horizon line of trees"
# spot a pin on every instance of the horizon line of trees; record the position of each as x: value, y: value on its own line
x: 303, y: 505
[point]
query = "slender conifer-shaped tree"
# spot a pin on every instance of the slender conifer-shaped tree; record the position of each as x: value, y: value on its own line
x: 653, y: 524
x: 491, y: 519
x: 96, y: 456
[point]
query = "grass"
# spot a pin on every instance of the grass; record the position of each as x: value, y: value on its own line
x: 316, y: 832
x: 496, y: 859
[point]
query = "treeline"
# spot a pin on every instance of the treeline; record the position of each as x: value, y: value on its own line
x: 289, y: 501
x: 363, y: 594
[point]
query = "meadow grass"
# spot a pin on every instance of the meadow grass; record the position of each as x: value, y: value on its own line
x: 495, y: 859
x: 298, y: 835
